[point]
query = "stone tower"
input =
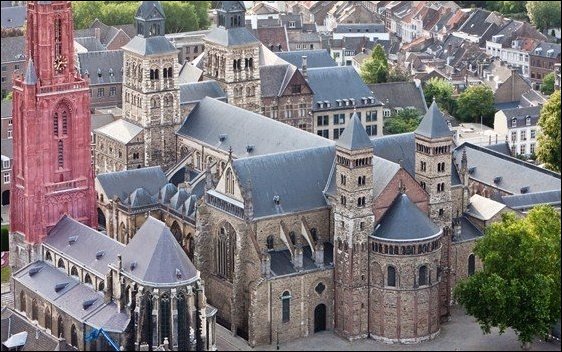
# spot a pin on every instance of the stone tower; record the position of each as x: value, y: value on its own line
x: 52, y: 173
x: 233, y: 57
x: 433, y: 164
x: 353, y: 223
x: 151, y: 86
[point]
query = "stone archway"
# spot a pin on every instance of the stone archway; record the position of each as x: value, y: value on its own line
x: 320, y: 318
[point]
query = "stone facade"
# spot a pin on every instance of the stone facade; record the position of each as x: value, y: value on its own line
x: 329, y: 124
x: 112, y: 155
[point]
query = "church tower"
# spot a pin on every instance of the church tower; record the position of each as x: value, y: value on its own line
x: 353, y: 223
x: 151, y: 85
x: 52, y: 173
x: 233, y: 57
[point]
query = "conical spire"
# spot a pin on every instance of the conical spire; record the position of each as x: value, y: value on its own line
x: 433, y: 124
x: 30, y: 73
x: 354, y: 136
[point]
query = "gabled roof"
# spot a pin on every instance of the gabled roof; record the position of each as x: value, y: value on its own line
x: 122, y: 183
x: 360, y: 28
x: 314, y: 58
x: 195, y: 92
x: 354, y: 136
x: 189, y: 73
x: 228, y: 6
x: 298, y: 188
x: 276, y: 80
x: 37, y: 338
x: 520, y: 116
x: 433, y: 125
x: 102, y: 67
x: 483, y: 208
x: 231, y: 37
x: 88, y: 242
x: 529, y: 200
x: 273, y: 37
x: 140, y: 197
x: 400, y: 94
x: 90, y: 43
x: 120, y: 130
x: 383, y: 172
x: 404, y: 221
x: 150, y: 10
x: 157, y: 45
x: 158, y: 256
x: 13, y: 17
x: 398, y: 148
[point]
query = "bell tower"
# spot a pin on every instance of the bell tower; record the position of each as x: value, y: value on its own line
x: 52, y: 172
x: 353, y: 223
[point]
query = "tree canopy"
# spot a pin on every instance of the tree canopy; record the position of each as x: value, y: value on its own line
x: 442, y: 91
x: 544, y: 14
x: 548, y: 151
x: 398, y: 74
x: 519, y: 286
x: 403, y: 121
x: 547, y: 86
x: 375, y: 68
x: 181, y: 16
x: 475, y: 102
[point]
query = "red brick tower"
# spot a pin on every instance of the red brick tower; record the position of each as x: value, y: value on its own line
x: 52, y: 173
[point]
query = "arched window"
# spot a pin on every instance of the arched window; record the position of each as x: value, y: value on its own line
x: 60, y: 264
x: 286, y: 306
x: 23, y: 305
x: 270, y: 242
x: 229, y: 182
x: 183, y: 322
x: 471, y: 265
x: 87, y: 279
x: 391, y: 276
x: 101, y: 286
x: 48, y: 324
x: 422, y: 277
x: 73, y: 336
x: 48, y: 257
x: 74, y: 271
x: 60, y: 154
x: 165, y: 317
x: 60, y: 327
x: 224, y: 260
x: 34, y: 312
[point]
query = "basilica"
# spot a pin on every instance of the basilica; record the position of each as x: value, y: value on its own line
x: 273, y: 232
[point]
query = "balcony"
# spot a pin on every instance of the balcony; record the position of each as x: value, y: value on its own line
x: 63, y: 87
x: 66, y: 185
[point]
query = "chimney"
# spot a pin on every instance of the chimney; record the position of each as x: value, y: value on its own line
x: 304, y: 66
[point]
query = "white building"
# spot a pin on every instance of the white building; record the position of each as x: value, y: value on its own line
x: 373, y: 31
x: 521, y: 127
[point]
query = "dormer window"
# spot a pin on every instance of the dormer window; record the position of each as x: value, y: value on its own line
x: 514, y: 122
x: 528, y: 121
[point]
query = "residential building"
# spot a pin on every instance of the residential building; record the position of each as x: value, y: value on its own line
x: 521, y: 127
x: 397, y: 96
x: 7, y: 165
x: 189, y: 44
x: 104, y: 72
x: 542, y: 60
x: 372, y: 31
x: 13, y: 61
x: 262, y: 10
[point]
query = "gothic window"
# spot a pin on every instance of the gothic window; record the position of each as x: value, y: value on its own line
x: 471, y: 265
x: 101, y: 286
x: 48, y: 257
x: 34, y: 313
x: 87, y: 279
x: 60, y: 154
x: 58, y: 37
x: 423, y: 165
x: 270, y: 242
x: 229, y: 182
x: 60, y: 264
x: 47, y: 316
x: 60, y: 327
x: 165, y: 317
x: 422, y: 277
x: 239, y: 64
x: 391, y: 276
x: 73, y: 336
x: 246, y: 63
x: 56, y: 124
x: 64, y: 122
x: 183, y: 322
x: 74, y: 271
x: 23, y: 306
x: 226, y: 243
x: 286, y: 303
x: 361, y: 201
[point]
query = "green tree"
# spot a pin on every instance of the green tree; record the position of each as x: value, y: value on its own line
x: 519, y: 286
x: 544, y: 14
x: 403, y: 121
x: 548, y: 151
x: 475, y: 102
x: 8, y: 96
x: 547, y: 86
x: 375, y: 68
x: 397, y: 74
x: 442, y: 91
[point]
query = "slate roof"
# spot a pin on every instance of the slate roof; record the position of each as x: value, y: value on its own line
x: 314, y: 58
x: 150, y: 46
x: 146, y: 9
x: 400, y: 94
x: 231, y: 5
x: 231, y: 37
x: 404, y: 221
x: 529, y: 200
x: 122, y: 183
x: 109, y: 318
x: 162, y: 256
x: 515, y: 174
x: 476, y: 24
x: 90, y: 43
x: 37, y: 338
x: 7, y: 147
x: 502, y: 147
x: 532, y: 98
x: 548, y: 50
x: 468, y: 231
x: 398, y: 148
x: 273, y: 37
x: 189, y: 73
x: 326, y: 85
x: 194, y: 92
x: 383, y: 172
x: 520, y: 115
x: 120, y: 130
x: 281, y: 263
x: 100, y: 120
x: 360, y: 28
x: 88, y: 243
x: 354, y: 136
x: 12, y: 49
x: 212, y: 118
x: 278, y: 77
x: 433, y: 124
x: 483, y: 208
x: 102, y: 67
x: 13, y: 17
x: 140, y: 197
x: 299, y: 189
x: 6, y: 108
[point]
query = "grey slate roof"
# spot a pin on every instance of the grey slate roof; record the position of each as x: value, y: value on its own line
x: 281, y: 263
x: 383, y: 172
x: 232, y: 36
x: 150, y: 46
x: 140, y: 197
x: 7, y: 147
x: 109, y: 318
x: 189, y: 73
x: 529, y: 200
x: 314, y: 58
x: 194, y: 92
x: 13, y: 17
x: 532, y: 98
x: 404, y: 221
x: 121, y: 184
x: 400, y: 94
x: 468, y: 231
x: 231, y: 6
x: 102, y: 67
x: 326, y: 83
x: 6, y: 108
x: 158, y: 256
x: 88, y: 243
x: 433, y: 124
x: 12, y: 49
x: 212, y: 118
x: 90, y: 43
x: 167, y: 192
x: 360, y: 28
x: 502, y: 147
x: 515, y: 174
x: 276, y: 77
x: 354, y: 136
x: 146, y: 8
x: 520, y: 114
x: 398, y: 148
x: 299, y: 188
x: 120, y: 130
x: 547, y: 50
x: 30, y: 73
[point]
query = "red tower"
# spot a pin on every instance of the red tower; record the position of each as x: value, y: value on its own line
x: 52, y: 172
